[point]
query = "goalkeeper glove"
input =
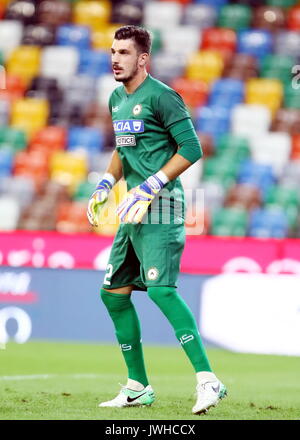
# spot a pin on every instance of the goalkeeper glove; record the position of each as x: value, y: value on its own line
x: 98, y: 199
x: 137, y: 200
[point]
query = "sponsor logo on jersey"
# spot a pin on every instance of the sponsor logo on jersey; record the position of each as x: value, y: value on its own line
x: 137, y: 109
x: 115, y: 109
x: 123, y: 141
x: 152, y: 273
x: 129, y: 126
x: 125, y: 347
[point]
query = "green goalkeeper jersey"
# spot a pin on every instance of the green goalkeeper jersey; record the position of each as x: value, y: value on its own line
x: 141, y: 123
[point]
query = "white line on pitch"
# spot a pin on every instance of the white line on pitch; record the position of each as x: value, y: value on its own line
x: 53, y: 376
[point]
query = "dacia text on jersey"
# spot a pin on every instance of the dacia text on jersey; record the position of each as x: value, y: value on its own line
x: 128, y: 126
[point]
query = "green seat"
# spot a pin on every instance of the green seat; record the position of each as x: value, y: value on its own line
x: 234, y: 147
x: 1, y: 58
x: 277, y: 66
x: 291, y: 97
x: 222, y: 170
x: 284, y: 198
x: 84, y: 191
x: 229, y: 222
x: 236, y: 17
x: 282, y: 3
x: 156, y: 40
x: 12, y: 138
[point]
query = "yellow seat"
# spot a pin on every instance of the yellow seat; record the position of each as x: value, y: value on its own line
x: 206, y: 65
x: 24, y: 62
x: 92, y: 13
x: 102, y: 38
x: 268, y: 92
x: 68, y: 168
x: 30, y: 114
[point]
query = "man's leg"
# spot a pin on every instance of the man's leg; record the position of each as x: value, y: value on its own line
x: 123, y: 314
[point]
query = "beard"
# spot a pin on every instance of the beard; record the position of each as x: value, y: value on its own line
x: 130, y: 76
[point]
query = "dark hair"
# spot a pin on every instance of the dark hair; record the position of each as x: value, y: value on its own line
x: 141, y: 37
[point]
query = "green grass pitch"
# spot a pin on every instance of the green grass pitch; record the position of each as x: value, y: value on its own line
x: 65, y: 381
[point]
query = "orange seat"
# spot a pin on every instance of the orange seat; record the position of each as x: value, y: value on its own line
x: 220, y: 39
x: 295, y: 152
x: 50, y: 138
x: 71, y: 218
x: 293, y: 18
x: 193, y: 92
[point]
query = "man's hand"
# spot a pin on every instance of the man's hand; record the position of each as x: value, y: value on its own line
x: 97, y: 200
x: 136, y: 203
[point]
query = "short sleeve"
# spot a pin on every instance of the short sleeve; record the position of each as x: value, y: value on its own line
x: 171, y: 108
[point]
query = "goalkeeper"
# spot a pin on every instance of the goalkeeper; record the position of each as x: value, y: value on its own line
x: 155, y: 143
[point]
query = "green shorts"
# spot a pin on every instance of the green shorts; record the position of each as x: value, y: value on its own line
x: 145, y: 255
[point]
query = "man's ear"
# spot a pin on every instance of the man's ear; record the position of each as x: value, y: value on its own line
x: 143, y: 59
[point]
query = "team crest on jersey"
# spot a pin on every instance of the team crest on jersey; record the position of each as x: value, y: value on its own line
x: 137, y: 109
x: 129, y: 126
x: 152, y: 273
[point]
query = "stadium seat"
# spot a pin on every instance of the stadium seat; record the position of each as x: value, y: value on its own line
x: 241, y: 66
x: 220, y: 171
x: 94, y: 63
x: 257, y: 174
x: 4, y: 112
x: 287, y: 43
x: 93, y: 13
x: 20, y: 188
x: 249, y: 119
x: 38, y: 35
x: 207, y: 144
x: 295, y: 153
x: 80, y: 91
x: 11, y: 32
x: 54, y: 13
x: 23, y: 11
x: 71, y: 218
x: 29, y: 114
x: 291, y: 174
x: 193, y: 92
x: 243, y: 196
x: 53, y: 57
x: 292, y: 93
x: 287, y: 120
x: 228, y: 222
x: 226, y: 92
x: 50, y: 138
x: 215, y: 3
x: 102, y: 38
x: 282, y: 3
x: 74, y: 35
x: 284, y: 196
x: 213, y: 120
x: 271, y: 18
x: 273, y: 149
x: 267, y: 92
x: 184, y: 39
x: 255, y: 42
x: 214, y: 194
x: 160, y: 15
x: 266, y: 223
x: 128, y: 11
x: 68, y: 168
x: 86, y: 139
x: 293, y: 18
x: 24, y: 61
x: 237, y: 17
x: 203, y: 16
x: 219, y: 39
x: 10, y: 211
x: 167, y: 67
x: 6, y: 161
x: 277, y: 66
x: 206, y: 65
x: 12, y: 138
x: 236, y: 146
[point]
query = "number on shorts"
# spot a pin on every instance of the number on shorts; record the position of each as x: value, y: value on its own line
x: 108, y: 274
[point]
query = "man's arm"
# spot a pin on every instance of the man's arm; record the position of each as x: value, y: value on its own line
x: 175, y: 166
x: 115, y: 166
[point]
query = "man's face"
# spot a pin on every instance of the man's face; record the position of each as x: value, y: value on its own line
x: 124, y: 59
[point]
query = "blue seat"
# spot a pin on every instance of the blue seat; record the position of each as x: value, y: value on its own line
x: 213, y: 120
x: 257, y: 174
x: 255, y: 42
x: 94, y: 63
x: 215, y: 3
x: 86, y: 138
x: 6, y: 162
x: 73, y: 35
x: 227, y: 92
x: 268, y: 222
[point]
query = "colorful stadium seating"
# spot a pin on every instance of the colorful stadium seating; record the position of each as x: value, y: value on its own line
x: 234, y: 62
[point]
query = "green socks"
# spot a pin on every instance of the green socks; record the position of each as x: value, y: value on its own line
x: 128, y: 333
x: 182, y: 320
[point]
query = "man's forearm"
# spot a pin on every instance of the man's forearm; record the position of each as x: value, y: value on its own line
x: 115, y: 166
x: 176, y: 165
